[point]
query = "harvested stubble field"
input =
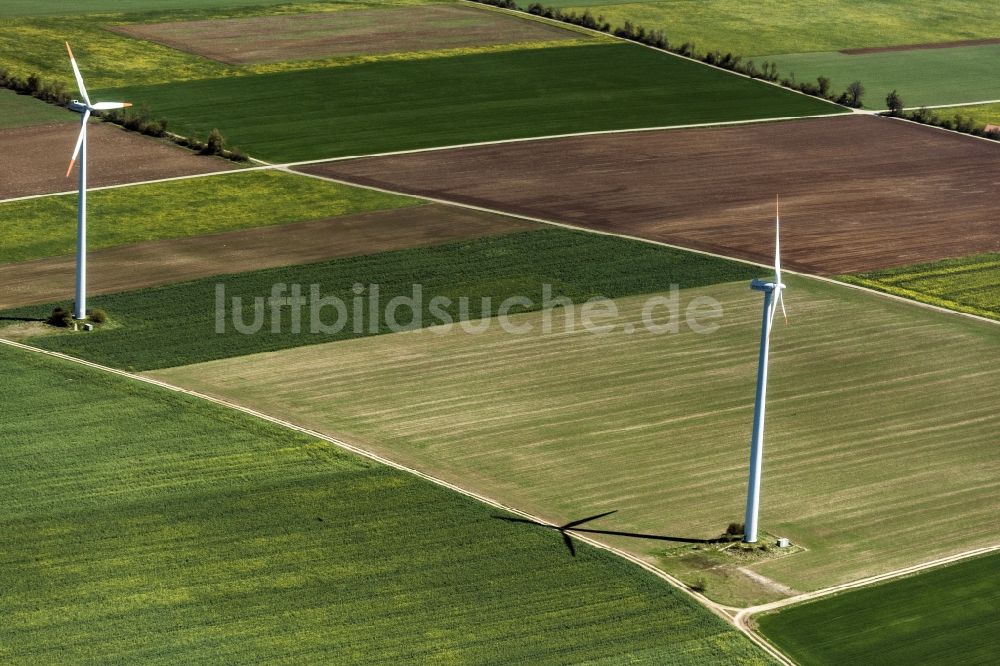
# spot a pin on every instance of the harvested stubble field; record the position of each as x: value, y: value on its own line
x: 46, y: 226
x: 399, y: 105
x: 35, y: 159
x: 858, y: 193
x: 881, y: 440
x: 161, y: 262
x: 944, y: 616
x: 262, y: 39
x: 143, y: 526
x: 575, y: 264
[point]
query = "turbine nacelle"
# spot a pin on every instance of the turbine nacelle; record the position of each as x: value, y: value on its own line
x: 77, y: 105
x: 765, y: 285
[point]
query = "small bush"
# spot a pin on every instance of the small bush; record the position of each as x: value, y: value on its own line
x: 699, y: 585
x: 97, y: 315
x: 60, y: 317
x: 894, y: 103
x: 215, y: 145
x: 734, y: 529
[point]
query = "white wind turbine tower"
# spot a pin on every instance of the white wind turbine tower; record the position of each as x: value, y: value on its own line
x: 772, y: 298
x: 85, y: 108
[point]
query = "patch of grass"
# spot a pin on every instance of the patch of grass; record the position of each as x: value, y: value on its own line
x: 981, y: 114
x: 922, y: 76
x: 968, y: 284
x: 46, y: 227
x: 149, y: 527
x: 22, y: 111
x: 68, y: 7
x: 385, y: 106
x: 34, y: 44
x: 262, y: 39
x: 176, y: 324
x: 945, y: 615
x: 799, y: 25
x: 881, y: 422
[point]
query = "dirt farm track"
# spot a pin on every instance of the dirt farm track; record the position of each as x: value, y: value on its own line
x: 858, y: 192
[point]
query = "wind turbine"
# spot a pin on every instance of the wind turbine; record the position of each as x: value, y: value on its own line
x: 85, y: 108
x: 772, y: 298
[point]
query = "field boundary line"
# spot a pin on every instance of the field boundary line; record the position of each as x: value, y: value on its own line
x: 600, y: 232
x: 713, y: 607
x: 522, y: 14
x: 743, y: 616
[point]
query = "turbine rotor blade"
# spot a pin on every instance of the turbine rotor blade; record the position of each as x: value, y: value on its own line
x: 569, y: 544
x: 571, y: 525
x: 79, y: 77
x: 107, y: 106
x: 777, y: 240
x: 79, y: 141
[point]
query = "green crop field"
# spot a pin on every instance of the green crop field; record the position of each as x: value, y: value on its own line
x: 385, y: 106
x: 176, y: 324
x: 21, y: 111
x: 943, y: 616
x: 148, y: 527
x: 46, y: 227
x: 799, y: 25
x: 923, y: 77
x: 969, y: 284
x: 881, y: 440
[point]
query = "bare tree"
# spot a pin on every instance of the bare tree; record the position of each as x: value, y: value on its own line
x: 854, y: 93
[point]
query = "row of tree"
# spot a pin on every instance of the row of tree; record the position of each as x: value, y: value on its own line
x: 767, y: 71
x: 137, y: 119
x: 923, y: 115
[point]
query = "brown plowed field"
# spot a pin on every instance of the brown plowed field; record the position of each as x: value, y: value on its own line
x: 353, y: 32
x: 164, y: 262
x: 858, y: 192
x: 34, y: 159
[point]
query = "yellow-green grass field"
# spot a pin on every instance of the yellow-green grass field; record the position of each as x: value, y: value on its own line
x: 981, y: 114
x: 968, y: 284
x: 23, y: 111
x: 46, y: 226
x: 880, y: 441
x: 143, y: 526
x: 922, y: 77
x: 943, y: 616
x: 800, y: 25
